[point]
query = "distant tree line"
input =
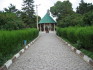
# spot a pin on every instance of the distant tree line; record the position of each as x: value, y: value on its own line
x: 13, y: 19
x: 66, y: 17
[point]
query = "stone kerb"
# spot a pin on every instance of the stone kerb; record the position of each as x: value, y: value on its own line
x: 78, y: 52
x: 13, y: 59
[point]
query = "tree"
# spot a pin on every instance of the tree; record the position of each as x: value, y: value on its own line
x: 28, y: 12
x: 9, y: 21
x: 88, y: 18
x: 28, y: 7
x: 11, y: 9
x: 72, y: 20
x: 19, y: 13
x: 61, y: 9
x: 84, y: 7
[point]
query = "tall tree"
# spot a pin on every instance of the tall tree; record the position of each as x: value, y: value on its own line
x: 61, y: 9
x: 11, y: 9
x: 28, y: 12
x: 84, y: 7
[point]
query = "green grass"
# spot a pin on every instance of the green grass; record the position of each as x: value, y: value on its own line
x: 12, y: 41
x: 88, y: 53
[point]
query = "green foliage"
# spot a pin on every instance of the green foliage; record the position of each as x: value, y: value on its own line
x: 88, y: 53
x: 28, y: 13
x: 28, y: 7
x: 12, y: 41
x: 29, y: 22
x: 11, y: 9
x: 9, y: 21
x: 71, y: 20
x: 88, y: 18
x: 61, y: 9
x: 66, y: 17
x: 78, y: 45
x: 84, y: 7
x: 77, y: 20
x: 80, y: 36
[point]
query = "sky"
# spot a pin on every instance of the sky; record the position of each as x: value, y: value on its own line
x: 42, y: 8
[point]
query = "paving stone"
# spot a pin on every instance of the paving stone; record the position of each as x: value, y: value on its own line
x: 49, y: 53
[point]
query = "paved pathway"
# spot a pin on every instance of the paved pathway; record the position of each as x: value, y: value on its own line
x: 49, y: 53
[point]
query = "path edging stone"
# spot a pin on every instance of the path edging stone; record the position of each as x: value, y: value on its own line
x: 78, y: 52
x: 13, y: 59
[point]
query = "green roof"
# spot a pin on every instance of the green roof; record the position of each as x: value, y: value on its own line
x: 47, y: 19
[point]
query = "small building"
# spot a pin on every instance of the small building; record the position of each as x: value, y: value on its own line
x: 47, y: 23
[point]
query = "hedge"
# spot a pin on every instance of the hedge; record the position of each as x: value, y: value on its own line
x: 82, y: 37
x: 12, y: 41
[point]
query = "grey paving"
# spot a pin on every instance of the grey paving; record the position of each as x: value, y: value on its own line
x: 49, y: 53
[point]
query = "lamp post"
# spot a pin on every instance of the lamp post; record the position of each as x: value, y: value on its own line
x: 37, y: 14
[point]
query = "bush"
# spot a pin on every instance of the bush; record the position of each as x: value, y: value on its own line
x: 9, y: 21
x: 88, y: 18
x: 71, y: 20
x: 80, y: 36
x: 12, y: 41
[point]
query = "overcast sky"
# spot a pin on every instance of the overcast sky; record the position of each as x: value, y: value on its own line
x: 44, y: 4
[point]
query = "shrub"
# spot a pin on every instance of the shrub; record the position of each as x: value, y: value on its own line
x: 9, y: 21
x: 71, y: 20
x: 88, y: 18
x: 80, y: 36
x: 12, y: 41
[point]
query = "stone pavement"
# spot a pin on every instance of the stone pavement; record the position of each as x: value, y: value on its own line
x: 49, y: 53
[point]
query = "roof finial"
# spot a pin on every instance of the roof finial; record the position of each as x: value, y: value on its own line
x: 48, y: 12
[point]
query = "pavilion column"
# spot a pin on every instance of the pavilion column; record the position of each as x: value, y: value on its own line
x: 50, y: 27
x: 40, y: 27
x: 44, y: 27
x: 54, y: 27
